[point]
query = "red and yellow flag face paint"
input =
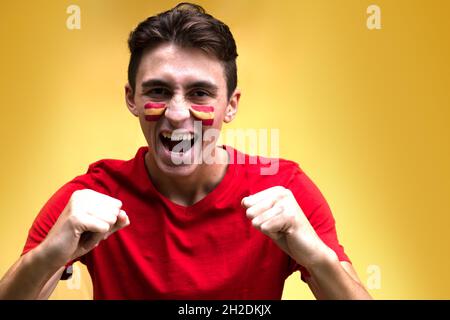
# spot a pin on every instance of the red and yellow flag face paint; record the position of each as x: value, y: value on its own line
x: 154, y: 111
x: 203, y: 113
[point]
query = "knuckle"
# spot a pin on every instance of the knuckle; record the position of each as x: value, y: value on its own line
x: 74, y: 219
x: 113, y: 220
x: 278, y: 189
x: 279, y: 192
x: 288, y: 192
x: 81, y: 192
x: 104, y: 227
x: 76, y: 195
x: 79, y: 195
x: 292, y: 217
x: 114, y: 202
x: 284, y: 192
x: 280, y: 207
x: 116, y: 213
x: 109, y: 220
x: 265, y: 228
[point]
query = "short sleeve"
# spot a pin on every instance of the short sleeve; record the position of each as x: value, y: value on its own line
x: 47, y: 217
x: 318, y: 212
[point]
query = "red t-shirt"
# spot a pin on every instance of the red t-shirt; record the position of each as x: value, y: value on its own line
x: 208, y: 250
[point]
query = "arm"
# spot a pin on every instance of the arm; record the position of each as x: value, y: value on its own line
x: 276, y: 213
x: 88, y: 218
x: 50, y: 286
x: 336, y: 280
x: 27, y: 278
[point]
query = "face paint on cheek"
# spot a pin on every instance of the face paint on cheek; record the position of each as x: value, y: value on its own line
x: 154, y: 111
x: 203, y: 113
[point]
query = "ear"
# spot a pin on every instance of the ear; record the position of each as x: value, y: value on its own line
x: 232, y: 106
x: 129, y: 99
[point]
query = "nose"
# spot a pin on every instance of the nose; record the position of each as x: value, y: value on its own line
x: 177, y: 112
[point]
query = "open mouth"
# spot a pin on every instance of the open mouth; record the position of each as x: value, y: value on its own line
x: 177, y: 142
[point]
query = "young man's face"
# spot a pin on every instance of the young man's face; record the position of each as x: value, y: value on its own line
x: 179, y: 78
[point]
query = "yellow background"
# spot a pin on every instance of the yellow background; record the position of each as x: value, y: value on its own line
x: 364, y: 112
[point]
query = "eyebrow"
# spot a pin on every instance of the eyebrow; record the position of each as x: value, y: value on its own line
x: 203, y: 84
x: 197, y: 84
x: 155, y: 83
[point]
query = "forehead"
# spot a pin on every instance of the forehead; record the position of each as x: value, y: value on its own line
x: 180, y: 65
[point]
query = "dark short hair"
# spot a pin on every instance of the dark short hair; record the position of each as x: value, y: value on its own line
x: 186, y: 25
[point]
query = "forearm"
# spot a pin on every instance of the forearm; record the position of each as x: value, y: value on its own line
x: 28, y: 276
x: 329, y: 280
x: 276, y: 213
x: 51, y: 284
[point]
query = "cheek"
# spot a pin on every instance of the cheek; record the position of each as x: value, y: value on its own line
x: 203, y: 113
x: 154, y: 111
x: 148, y: 129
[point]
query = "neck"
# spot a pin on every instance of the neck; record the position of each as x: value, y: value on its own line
x: 187, y: 190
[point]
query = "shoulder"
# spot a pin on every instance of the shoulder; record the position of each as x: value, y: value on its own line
x: 116, y: 165
x: 104, y: 173
x: 102, y: 176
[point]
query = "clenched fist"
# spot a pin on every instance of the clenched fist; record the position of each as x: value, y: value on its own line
x: 276, y: 213
x: 88, y: 218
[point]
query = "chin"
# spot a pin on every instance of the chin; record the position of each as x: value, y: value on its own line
x: 171, y: 170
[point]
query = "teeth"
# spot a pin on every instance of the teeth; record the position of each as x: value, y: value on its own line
x: 178, y: 136
x: 181, y: 136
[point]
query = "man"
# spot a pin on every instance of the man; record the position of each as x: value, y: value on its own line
x: 167, y: 225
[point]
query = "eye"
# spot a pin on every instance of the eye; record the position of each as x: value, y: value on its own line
x: 200, y: 93
x: 158, y: 92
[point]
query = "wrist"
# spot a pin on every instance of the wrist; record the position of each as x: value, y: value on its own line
x: 324, y: 259
x: 47, y: 258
